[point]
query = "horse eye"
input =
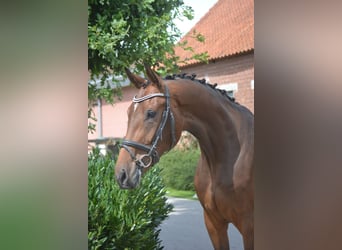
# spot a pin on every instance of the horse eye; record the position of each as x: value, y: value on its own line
x: 150, y: 114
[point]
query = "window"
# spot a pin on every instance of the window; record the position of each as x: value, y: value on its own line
x: 230, y: 93
x: 252, y: 84
x: 231, y: 88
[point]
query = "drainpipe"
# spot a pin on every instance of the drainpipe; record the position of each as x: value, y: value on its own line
x: 99, y: 119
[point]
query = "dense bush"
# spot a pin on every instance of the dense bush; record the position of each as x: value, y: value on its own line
x: 178, y: 168
x: 123, y: 219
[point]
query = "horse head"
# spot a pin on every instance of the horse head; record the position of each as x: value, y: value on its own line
x: 151, y: 129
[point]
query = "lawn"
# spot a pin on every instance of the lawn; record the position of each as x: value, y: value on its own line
x: 180, y: 194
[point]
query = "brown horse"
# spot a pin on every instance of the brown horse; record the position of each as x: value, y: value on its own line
x: 225, y: 131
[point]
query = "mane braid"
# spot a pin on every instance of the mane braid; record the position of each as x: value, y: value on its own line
x: 202, y: 81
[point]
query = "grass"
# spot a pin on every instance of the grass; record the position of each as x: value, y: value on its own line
x: 181, y: 194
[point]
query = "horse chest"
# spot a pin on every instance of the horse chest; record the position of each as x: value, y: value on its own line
x: 215, y: 193
x: 218, y: 202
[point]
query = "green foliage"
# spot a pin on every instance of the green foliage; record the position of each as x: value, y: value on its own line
x: 123, y: 33
x: 123, y: 219
x: 178, y: 168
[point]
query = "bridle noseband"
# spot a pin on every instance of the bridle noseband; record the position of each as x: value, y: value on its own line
x: 152, y: 156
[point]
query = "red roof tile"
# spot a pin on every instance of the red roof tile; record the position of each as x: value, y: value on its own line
x: 228, y: 28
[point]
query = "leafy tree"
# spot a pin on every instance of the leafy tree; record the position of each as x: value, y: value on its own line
x: 122, y: 33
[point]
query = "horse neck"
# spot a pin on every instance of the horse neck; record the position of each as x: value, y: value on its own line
x: 211, y: 118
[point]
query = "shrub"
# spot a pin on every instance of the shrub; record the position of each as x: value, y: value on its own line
x: 123, y: 219
x: 178, y: 168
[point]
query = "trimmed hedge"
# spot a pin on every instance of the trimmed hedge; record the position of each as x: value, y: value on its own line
x: 178, y: 168
x: 123, y: 219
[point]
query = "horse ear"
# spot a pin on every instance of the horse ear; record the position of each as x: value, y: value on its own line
x: 138, y: 81
x: 153, y: 76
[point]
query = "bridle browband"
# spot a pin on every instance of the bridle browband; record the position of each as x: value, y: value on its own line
x: 152, y: 156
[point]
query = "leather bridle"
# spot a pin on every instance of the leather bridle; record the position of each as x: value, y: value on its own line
x: 152, y: 156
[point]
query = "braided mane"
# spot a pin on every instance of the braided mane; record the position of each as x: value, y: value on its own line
x: 202, y: 81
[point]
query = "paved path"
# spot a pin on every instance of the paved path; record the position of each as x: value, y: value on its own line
x: 185, y: 229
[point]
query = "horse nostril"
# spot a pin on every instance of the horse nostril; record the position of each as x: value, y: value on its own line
x: 122, y: 176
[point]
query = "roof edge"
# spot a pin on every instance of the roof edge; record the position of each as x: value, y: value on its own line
x: 245, y: 52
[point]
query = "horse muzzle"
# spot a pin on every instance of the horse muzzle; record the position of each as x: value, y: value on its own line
x: 128, y: 178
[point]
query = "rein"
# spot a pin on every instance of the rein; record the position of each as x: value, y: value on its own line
x: 152, y: 155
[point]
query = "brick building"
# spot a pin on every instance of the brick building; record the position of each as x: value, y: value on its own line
x: 228, y: 28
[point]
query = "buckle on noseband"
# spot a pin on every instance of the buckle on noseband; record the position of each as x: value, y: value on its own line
x: 145, y: 160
